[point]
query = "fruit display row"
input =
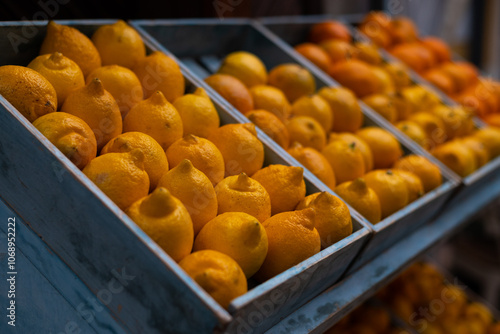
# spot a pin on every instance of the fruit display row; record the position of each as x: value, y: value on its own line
x: 250, y: 180
x: 390, y: 88
x: 221, y: 203
x: 421, y: 300
x: 323, y: 127
x: 432, y: 58
x: 430, y: 301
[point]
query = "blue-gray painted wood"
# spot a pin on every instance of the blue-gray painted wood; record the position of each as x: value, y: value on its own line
x: 332, y: 305
x: 215, y: 39
x: 50, y: 298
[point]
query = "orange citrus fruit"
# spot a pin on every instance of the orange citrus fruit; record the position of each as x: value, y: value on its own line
x: 238, y: 235
x: 155, y: 160
x: 292, y: 238
x: 194, y: 190
x: 156, y: 117
x: 390, y: 188
x: 284, y: 184
x: 428, y: 172
x: 384, y: 146
x: 347, y: 114
x: 293, y: 80
x: 306, y: 131
x: 63, y: 73
x: 70, y: 134
x: 315, y: 162
x: 271, y: 99
x: 346, y: 160
x: 165, y: 220
x: 362, y: 198
x: 316, y: 107
x: 246, y: 67
x: 271, y: 125
x: 232, y: 90
x: 240, y: 193
x: 218, y: 274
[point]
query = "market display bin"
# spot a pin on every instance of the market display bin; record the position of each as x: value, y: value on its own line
x: 201, y: 44
x: 100, y: 244
x: 295, y: 30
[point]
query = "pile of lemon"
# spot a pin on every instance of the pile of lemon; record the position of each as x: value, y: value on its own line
x: 424, y: 299
x: 198, y: 189
x: 448, y: 132
x: 323, y: 131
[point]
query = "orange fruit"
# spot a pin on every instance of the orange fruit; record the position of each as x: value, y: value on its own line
x: 385, y: 80
x: 292, y: 238
x: 316, y: 107
x: 120, y: 176
x: 156, y: 117
x: 271, y: 125
x: 329, y: 30
x: 194, y: 189
x: 384, y: 146
x: 459, y: 77
x: 362, y: 198
x: 306, y: 131
x: 457, y: 120
x: 246, y: 67
x: 478, y: 148
x: 239, y: 236
x: 72, y: 44
x: 240, y: 193
x: 457, y: 157
x: 419, y: 98
x: 469, y: 69
x: 159, y: 72
x: 203, y: 154
x: 477, y: 311
x: 485, y: 91
x: 198, y: 113
x: 471, y: 101
x: 28, y: 91
x: 333, y: 219
x: 375, y: 25
x: 347, y: 114
x: 119, y: 44
x: 368, y: 53
x: 338, y: 50
x: 414, y: 132
x: 121, y: 83
x: 428, y: 172
x: 314, y: 54
x: 494, y: 329
x: 155, y: 160
x: 357, y: 76
x: 433, y: 127
x: 350, y: 138
x: 70, y: 134
x: 390, y: 188
x: 403, y: 108
x: 441, y: 80
x: 415, y: 56
x: 383, y: 105
x: 232, y: 90
x: 493, y: 120
x: 218, y: 274
x: 315, y: 162
x: 63, y: 73
x: 271, y: 99
x: 242, y: 151
x: 98, y: 109
x: 165, y: 220
x: 438, y: 47
x: 402, y: 30
x: 413, y: 184
x: 293, y: 80
x: 284, y: 184
x: 399, y: 74
x: 346, y: 160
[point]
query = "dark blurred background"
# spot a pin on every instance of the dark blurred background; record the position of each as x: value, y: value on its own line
x: 471, y: 27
